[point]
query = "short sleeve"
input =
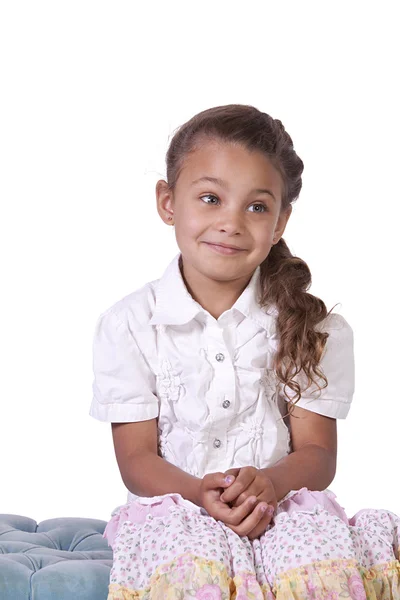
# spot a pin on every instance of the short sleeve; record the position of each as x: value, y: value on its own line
x: 123, y: 385
x: 337, y: 363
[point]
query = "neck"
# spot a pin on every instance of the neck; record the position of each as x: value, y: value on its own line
x: 214, y: 296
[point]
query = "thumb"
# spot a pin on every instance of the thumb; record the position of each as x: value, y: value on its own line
x: 218, y: 480
x: 227, y: 480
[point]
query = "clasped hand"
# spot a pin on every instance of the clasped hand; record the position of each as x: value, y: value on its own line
x: 245, y: 503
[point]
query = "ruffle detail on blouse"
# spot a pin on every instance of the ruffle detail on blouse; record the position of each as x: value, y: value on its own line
x: 169, y: 382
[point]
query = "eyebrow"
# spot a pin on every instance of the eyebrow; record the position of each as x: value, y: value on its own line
x: 223, y: 184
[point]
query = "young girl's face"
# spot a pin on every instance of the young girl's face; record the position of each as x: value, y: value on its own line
x: 225, y: 195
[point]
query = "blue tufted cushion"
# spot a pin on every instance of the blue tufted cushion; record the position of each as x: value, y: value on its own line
x: 63, y: 559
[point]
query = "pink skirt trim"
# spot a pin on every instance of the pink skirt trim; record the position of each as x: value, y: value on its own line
x: 300, y: 501
x: 137, y: 513
x: 304, y: 500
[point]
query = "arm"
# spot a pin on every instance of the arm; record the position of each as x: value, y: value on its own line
x: 312, y: 463
x: 143, y: 472
x: 146, y: 474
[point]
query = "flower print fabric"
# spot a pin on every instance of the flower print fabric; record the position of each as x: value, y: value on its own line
x: 171, y: 549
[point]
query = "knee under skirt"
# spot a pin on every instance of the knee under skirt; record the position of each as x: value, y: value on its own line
x: 172, y: 549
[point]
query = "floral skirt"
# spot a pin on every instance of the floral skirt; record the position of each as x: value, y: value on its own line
x: 168, y: 548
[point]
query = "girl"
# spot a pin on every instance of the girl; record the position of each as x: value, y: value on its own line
x: 223, y: 381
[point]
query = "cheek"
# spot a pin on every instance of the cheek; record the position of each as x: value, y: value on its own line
x: 263, y: 237
x: 192, y: 222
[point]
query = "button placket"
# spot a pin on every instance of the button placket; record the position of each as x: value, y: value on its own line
x: 223, y: 383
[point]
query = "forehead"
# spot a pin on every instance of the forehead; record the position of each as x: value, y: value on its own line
x: 233, y: 163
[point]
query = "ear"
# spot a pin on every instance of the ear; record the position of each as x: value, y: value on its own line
x: 165, y: 202
x: 281, y: 223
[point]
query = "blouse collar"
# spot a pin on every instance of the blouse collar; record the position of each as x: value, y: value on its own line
x: 176, y: 306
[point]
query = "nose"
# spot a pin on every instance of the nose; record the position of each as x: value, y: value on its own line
x: 230, y: 222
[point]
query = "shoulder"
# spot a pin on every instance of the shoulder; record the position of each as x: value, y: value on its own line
x: 335, y: 323
x: 134, y: 310
x: 340, y: 339
x: 338, y: 353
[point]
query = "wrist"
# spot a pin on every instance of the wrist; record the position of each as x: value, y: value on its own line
x: 266, y: 473
x: 195, y: 489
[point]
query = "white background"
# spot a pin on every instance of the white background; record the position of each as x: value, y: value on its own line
x: 90, y: 95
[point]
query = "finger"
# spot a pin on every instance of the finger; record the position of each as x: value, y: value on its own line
x: 241, y: 483
x: 251, y: 491
x: 234, y: 516
x: 272, y: 503
x: 252, y: 520
x: 257, y: 488
x: 261, y: 528
x: 217, y: 480
x: 234, y: 472
x: 243, y: 496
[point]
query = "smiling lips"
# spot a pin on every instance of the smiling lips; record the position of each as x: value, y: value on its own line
x: 221, y: 249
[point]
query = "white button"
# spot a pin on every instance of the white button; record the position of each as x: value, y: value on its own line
x: 217, y: 443
x: 226, y: 404
x: 219, y: 357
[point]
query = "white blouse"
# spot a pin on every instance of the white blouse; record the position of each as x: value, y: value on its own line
x: 210, y: 382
